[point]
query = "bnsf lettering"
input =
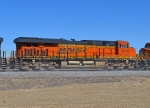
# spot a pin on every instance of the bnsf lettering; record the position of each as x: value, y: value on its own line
x: 62, y: 49
x: 79, y: 50
x: 71, y: 50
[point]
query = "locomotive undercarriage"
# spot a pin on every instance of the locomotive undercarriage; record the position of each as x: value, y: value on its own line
x: 120, y: 65
x: 143, y: 64
x: 46, y: 65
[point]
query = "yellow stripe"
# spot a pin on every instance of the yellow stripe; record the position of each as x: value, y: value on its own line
x: 72, y: 57
x: 87, y: 46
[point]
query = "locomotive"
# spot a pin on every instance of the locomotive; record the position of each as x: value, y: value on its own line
x: 145, y: 52
x: 50, y: 53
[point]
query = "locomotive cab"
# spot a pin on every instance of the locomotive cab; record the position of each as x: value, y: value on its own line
x: 147, y: 45
x: 125, y: 50
x: 144, y: 53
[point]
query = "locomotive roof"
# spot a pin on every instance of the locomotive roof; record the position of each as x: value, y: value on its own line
x: 148, y: 43
x: 60, y: 41
x: 1, y: 39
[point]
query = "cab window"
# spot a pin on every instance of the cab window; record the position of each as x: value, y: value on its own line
x: 124, y: 46
x: 147, y: 45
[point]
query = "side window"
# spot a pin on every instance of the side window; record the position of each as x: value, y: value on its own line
x: 124, y: 46
x: 147, y: 45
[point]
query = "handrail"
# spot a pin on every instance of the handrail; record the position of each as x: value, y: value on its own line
x: 145, y: 56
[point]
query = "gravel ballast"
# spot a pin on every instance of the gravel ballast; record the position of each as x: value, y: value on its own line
x: 72, y: 74
x: 33, y: 80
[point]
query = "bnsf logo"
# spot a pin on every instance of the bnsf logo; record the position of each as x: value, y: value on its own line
x: 71, y: 50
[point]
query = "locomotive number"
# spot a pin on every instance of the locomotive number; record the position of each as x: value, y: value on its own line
x: 125, y: 51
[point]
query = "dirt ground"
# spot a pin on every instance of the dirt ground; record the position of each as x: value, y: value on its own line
x: 126, y: 93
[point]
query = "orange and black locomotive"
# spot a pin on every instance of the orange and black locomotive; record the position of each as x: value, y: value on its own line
x: 50, y: 53
x: 43, y: 53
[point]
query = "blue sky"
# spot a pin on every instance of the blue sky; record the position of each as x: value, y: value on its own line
x: 80, y: 19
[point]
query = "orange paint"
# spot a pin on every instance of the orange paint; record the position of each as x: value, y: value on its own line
x: 78, y: 51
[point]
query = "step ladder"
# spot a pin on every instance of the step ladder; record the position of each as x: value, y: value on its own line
x: 4, y: 61
x: 17, y: 63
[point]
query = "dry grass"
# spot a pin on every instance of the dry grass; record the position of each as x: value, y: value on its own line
x: 125, y: 94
